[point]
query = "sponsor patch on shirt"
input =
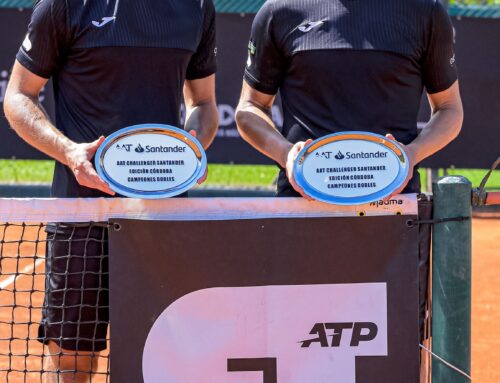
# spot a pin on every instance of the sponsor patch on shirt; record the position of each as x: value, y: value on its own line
x: 252, y: 48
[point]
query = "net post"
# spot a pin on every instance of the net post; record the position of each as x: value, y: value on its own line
x: 451, y: 279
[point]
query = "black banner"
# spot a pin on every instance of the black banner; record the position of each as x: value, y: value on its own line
x: 477, y: 58
x: 292, y: 300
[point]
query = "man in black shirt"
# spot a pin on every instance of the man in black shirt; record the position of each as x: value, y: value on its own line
x: 114, y: 64
x: 345, y: 65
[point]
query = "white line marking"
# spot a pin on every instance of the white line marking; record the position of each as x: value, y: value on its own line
x: 12, y: 279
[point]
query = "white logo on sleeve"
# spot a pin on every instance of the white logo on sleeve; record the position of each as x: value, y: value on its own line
x: 309, y: 333
x: 452, y: 60
x: 309, y: 25
x: 105, y: 20
x: 27, y: 44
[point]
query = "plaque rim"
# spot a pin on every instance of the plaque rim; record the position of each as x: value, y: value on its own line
x: 395, y: 147
x: 163, y: 129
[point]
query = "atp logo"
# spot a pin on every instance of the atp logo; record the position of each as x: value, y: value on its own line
x: 126, y: 147
x: 339, y: 156
x: 326, y: 155
x: 361, y: 332
x: 139, y: 149
x: 251, y: 334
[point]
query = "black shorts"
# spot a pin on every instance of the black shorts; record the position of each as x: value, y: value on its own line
x: 75, y: 313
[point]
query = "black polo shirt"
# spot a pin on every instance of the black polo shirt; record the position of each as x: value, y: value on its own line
x: 117, y: 63
x: 345, y: 65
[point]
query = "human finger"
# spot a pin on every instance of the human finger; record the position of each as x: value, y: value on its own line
x: 94, y: 146
x: 203, y: 177
x: 390, y: 137
x: 94, y: 179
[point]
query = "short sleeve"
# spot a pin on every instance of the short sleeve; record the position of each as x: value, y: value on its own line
x: 439, y: 69
x: 47, y: 38
x: 203, y: 63
x: 265, y: 66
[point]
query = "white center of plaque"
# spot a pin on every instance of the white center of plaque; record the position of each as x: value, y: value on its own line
x: 350, y: 168
x: 150, y: 162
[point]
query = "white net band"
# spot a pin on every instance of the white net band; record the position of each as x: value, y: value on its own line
x: 103, y: 209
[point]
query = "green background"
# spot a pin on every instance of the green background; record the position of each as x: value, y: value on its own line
x: 233, y: 176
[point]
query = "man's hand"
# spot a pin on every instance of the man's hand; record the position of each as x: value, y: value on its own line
x: 411, y: 165
x: 290, y: 164
x: 78, y: 159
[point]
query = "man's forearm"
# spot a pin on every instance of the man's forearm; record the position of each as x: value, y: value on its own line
x: 257, y: 128
x: 444, y: 127
x: 28, y: 118
x: 204, y: 120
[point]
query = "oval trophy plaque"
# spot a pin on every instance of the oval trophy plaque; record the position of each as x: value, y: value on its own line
x: 151, y: 161
x: 351, y: 168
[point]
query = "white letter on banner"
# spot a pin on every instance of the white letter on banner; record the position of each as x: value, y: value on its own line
x: 226, y: 115
x: 311, y: 332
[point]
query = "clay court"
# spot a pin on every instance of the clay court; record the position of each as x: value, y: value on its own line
x: 15, y: 308
x: 486, y: 301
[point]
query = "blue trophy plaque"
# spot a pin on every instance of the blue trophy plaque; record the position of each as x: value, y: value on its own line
x: 351, y: 168
x: 151, y: 161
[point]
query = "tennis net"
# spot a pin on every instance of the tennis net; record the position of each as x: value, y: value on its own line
x: 73, y: 310
x: 54, y: 309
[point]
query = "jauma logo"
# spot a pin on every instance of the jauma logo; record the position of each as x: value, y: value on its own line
x: 339, y: 156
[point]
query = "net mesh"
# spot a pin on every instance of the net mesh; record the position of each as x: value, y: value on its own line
x: 56, y: 275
